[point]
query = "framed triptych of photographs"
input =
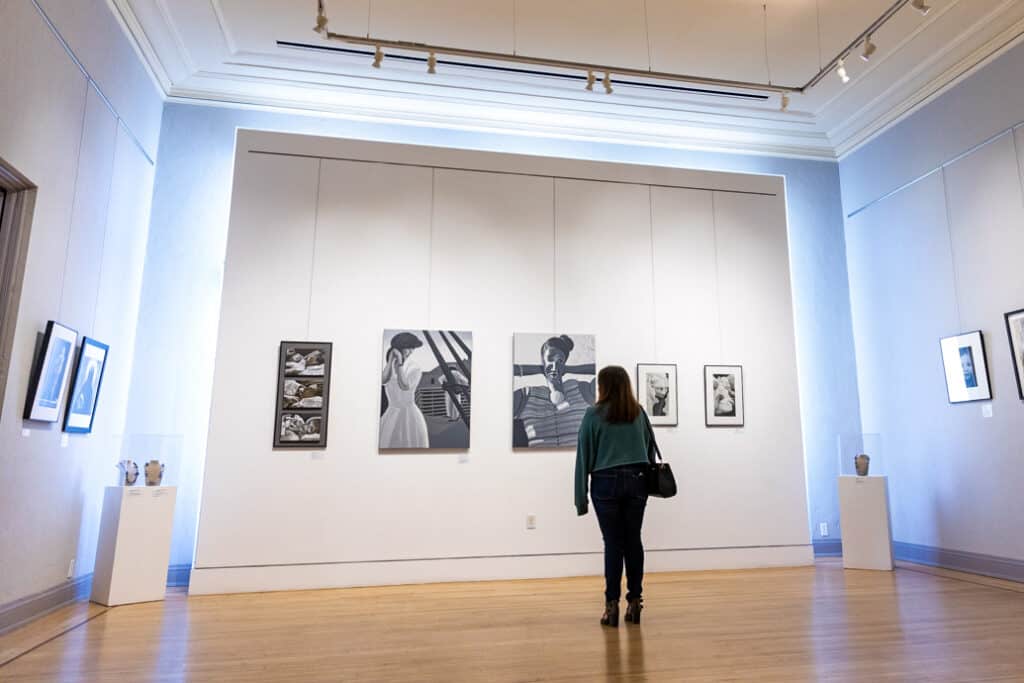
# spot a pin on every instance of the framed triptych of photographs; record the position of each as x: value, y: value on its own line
x: 658, y: 393
x: 723, y: 396
x: 966, y: 366
x: 303, y: 394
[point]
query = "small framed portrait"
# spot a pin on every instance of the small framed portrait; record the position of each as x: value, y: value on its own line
x: 303, y: 395
x: 48, y: 381
x: 85, y: 386
x: 1015, y: 330
x: 723, y: 396
x: 966, y: 366
x: 657, y: 391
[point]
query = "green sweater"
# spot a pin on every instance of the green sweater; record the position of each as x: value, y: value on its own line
x: 603, y: 444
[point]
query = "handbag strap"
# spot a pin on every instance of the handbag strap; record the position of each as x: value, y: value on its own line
x: 654, y: 441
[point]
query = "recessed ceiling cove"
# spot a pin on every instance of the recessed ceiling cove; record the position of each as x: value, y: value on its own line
x: 707, y: 74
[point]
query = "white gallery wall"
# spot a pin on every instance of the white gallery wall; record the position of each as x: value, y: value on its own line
x: 336, y: 240
x: 934, y: 241
x: 79, y: 119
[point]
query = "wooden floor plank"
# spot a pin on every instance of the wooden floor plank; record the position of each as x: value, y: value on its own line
x: 806, y: 624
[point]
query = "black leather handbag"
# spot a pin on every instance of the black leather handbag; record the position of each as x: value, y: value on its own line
x: 661, y: 483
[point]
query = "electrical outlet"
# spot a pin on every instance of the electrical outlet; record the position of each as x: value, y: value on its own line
x: 71, y: 568
x: 531, y: 521
x: 823, y: 528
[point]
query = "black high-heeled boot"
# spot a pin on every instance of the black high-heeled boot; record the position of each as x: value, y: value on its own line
x: 633, y: 610
x: 611, y: 614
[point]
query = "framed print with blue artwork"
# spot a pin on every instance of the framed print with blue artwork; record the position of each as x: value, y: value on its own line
x: 85, y: 387
x: 966, y: 366
x: 47, y: 383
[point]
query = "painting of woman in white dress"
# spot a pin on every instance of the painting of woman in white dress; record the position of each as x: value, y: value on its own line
x: 425, y: 389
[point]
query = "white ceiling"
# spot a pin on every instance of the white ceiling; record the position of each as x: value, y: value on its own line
x: 227, y: 50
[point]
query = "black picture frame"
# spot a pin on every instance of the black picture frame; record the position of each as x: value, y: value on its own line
x: 294, y: 371
x: 1016, y: 350
x: 48, y: 381
x: 947, y: 347
x: 641, y: 395
x: 729, y: 422
x: 92, y: 354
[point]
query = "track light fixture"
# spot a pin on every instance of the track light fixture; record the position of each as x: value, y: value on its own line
x: 607, y: 82
x: 378, y: 57
x: 841, y: 71
x: 784, y: 102
x: 321, y: 18
x: 869, y: 49
x: 921, y: 7
x: 432, y: 63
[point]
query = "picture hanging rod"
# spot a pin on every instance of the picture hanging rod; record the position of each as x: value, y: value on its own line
x: 380, y: 44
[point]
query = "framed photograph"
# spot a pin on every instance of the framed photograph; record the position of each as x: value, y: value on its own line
x: 85, y: 386
x: 657, y: 391
x: 966, y: 366
x: 1015, y: 330
x: 553, y: 382
x: 723, y: 396
x: 303, y: 395
x: 426, y: 398
x: 48, y: 381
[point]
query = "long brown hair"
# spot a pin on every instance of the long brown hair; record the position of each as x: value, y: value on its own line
x: 615, y: 395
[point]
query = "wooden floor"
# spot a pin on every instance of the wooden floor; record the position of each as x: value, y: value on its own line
x: 809, y: 624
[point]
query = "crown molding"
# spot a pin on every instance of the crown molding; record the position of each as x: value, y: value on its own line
x: 508, y: 121
x: 256, y: 80
x: 878, y: 115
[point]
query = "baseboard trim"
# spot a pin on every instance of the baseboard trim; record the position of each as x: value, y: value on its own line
x: 959, y: 560
x: 255, y: 579
x: 832, y: 547
x: 23, y: 610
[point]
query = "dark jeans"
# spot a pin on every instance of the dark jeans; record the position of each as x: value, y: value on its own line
x: 620, y: 497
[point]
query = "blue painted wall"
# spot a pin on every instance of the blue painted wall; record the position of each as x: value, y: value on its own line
x: 935, y: 243
x: 181, y: 295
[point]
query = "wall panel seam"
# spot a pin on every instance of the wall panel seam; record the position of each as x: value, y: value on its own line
x: 952, y: 160
x: 532, y: 175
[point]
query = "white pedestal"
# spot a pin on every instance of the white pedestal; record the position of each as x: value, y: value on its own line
x: 864, y: 517
x: 135, y: 544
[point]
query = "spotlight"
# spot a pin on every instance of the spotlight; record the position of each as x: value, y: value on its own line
x: 921, y: 7
x: 841, y: 71
x: 590, y: 80
x: 607, y: 82
x: 378, y: 57
x: 321, y: 18
x: 432, y: 64
x: 784, y: 102
x: 869, y: 49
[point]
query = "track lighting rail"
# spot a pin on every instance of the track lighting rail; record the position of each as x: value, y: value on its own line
x: 381, y: 47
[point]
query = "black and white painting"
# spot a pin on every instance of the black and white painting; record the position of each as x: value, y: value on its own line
x: 426, y: 398
x: 85, y: 387
x: 48, y: 381
x: 966, y: 368
x: 1015, y: 330
x: 303, y: 393
x: 656, y: 390
x: 723, y: 396
x: 553, y: 377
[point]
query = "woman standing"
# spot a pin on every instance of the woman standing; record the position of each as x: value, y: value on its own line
x: 402, y: 425
x: 612, y: 451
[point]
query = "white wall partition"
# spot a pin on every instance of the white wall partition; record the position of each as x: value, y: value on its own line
x: 82, y: 128
x: 335, y: 240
